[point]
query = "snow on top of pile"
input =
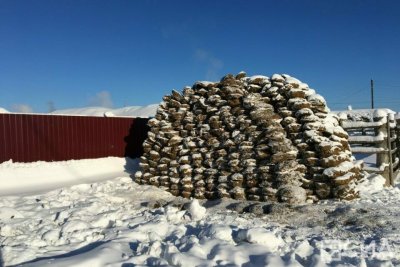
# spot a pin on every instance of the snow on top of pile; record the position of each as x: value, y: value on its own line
x: 3, y: 110
x: 259, y: 77
x: 317, y: 98
x: 277, y: 77
x: 292, y: 80
x: 133, y: 111
x: 203, y: 83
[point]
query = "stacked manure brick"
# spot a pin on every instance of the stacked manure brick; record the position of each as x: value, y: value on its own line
x: 254, y: 138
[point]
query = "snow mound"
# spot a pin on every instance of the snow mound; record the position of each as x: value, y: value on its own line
x: 372, y: 184
x: 264, y: 237
x: 196, y: 211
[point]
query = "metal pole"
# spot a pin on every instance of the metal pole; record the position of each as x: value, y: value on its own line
x: 372, y: 94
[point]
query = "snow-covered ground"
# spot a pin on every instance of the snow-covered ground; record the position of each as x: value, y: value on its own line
x: 116, y: 222
x: 36, y: 177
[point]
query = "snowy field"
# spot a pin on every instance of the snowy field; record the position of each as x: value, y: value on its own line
x: 93, y: 214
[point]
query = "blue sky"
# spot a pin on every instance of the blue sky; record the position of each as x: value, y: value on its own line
x: 125, y: 53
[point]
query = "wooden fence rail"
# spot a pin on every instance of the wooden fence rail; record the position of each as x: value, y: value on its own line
x: 30, y: 137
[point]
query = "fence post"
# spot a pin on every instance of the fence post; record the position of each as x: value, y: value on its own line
x: 397, y: 130
x: 382, y: 159
x: 389, y: 147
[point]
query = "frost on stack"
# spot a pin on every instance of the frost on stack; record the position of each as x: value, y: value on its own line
x: 255, y: 138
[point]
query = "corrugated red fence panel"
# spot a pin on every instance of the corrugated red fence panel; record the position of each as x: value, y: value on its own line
x: 27, y: 138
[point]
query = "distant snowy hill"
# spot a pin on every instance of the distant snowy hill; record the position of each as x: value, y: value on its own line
x: 134, y: 111
x: 3, y: 110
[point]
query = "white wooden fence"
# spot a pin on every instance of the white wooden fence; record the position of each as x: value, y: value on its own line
x: 379, y: 138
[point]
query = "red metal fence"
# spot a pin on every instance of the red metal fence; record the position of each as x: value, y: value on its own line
x: 27, y: 138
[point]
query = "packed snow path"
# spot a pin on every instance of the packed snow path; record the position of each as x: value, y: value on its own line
x: 117, y: 222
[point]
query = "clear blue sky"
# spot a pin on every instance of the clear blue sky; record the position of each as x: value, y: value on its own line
x: 79, y: 53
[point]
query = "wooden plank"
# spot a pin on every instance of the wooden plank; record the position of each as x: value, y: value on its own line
x: 389, y: 146
x: 360, y: 141
x: 370, y: 170
x: 368, y: 150
x: 360, y: 125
